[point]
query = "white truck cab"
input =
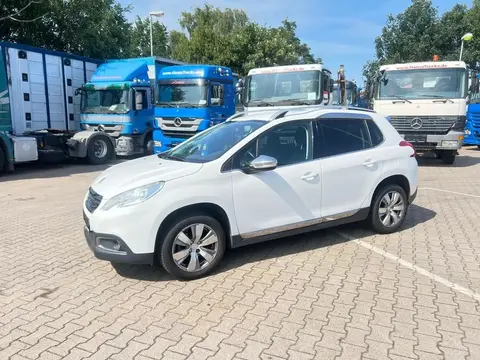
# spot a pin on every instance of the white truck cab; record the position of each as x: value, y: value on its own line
x: 425, y: 102
x: 281, y: 87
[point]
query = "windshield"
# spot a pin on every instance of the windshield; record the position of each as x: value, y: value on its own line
x: 336, y: 96
x: 105, y: 101
x: 180, y: 93
x: 279, y: 87
x: 212, y: 143
x: 423, y: 84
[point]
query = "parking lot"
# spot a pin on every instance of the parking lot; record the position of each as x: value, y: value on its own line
x: 338, y: 294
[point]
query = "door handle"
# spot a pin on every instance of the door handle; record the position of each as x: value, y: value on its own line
x: 309, y: 176
x: 368, y: 163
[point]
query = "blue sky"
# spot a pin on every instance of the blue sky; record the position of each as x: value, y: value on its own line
x: 338, y: 37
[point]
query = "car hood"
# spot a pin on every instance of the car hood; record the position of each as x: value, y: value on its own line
x: 134, y: 173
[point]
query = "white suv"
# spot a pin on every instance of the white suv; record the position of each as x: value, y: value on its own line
x: 252, y: 178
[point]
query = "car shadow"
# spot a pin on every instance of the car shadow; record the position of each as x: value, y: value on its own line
x: 277, y: 248
x: 461, y: 161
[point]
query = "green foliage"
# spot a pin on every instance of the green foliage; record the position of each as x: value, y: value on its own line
x: 100, y: 29
x: 420, y: 32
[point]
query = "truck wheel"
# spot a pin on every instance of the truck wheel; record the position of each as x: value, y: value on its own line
x: 448, y: 157
x: 2, y: 160
x: 148, y: 146
x: 100, y: 150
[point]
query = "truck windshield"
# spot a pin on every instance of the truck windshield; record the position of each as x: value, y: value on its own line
x: 282, y: 88
x: 423, y: 84
x: 105, y: 101
x: 212, y: 143
x: 181, y: 95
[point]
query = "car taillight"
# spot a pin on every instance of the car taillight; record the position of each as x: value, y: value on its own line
x: 406, y: 143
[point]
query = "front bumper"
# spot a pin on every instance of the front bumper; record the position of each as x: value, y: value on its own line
x: 451, y: 141
x: 102, y: 246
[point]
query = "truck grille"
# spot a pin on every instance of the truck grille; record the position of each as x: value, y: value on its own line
x: 429, y: 124
x: 178, y: 134
x: 93, y: 201
x: 475, y: 119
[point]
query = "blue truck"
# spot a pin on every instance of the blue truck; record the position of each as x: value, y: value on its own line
x: 39, y: 114
x: 472, y: 124
x: 118, y: 100
x: 190, y: 99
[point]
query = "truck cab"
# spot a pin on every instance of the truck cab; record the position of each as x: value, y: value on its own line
x: 351, y: 93
x: 190, y: 99
x: 285, y: 86
x: 118, y: 100
x: 426, y: 103
x: 472, y: 125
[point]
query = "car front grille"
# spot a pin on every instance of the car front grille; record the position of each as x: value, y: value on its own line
x: 429, y: 124
x: 93, y: 201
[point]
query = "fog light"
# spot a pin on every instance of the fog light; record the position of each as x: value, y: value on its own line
x: 109, y: 245
x: 450, y: 143
x: 468, y: 132
x: 157, y: 143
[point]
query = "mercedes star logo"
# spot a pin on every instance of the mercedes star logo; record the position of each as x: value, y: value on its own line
x: 177, y: 122
x: 416, y: 124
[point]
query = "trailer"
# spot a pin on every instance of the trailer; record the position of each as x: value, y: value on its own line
x: 39, y: 112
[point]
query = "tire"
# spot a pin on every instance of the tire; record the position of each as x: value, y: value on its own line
x: 148, y: 145
x: 448, y: 157
x: 2, y: 160
x: 100, y: 150
x: 179, y: 268
x: 478, y: 146
x: 378, y: 202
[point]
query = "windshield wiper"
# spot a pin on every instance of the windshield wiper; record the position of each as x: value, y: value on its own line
x: 294, y: 102
x: 164, y: 103
x: 168, y: 156
x: 402, y: 98
x: 261, y: 103
x: 445, y: 99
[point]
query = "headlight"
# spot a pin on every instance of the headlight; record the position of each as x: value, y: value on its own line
x: 134, y: 196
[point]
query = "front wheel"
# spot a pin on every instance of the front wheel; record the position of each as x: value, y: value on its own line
x: 448, y: 157
x: 2, y: 160
x: 100, y: 150
x: 192, y: 247
x: 388, y: 209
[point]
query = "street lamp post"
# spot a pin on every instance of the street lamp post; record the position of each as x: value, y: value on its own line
x: 152, y: 14
x: 466, y: 37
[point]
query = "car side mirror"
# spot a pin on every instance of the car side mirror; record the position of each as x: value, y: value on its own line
x: 261, y: 163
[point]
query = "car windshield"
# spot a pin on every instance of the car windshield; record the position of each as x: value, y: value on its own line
x: 181, y: 95
x: 283, y: 87
x: 212, y: 143
x: 423, y: 84
x: 105, y: 101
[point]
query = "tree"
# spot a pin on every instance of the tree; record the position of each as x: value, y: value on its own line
x: 139, y: 42
x: 228, y: 37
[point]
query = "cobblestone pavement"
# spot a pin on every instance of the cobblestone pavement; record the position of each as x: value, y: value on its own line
x: 338, y: 294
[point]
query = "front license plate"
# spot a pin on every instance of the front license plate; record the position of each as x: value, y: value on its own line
x: 416, y: 138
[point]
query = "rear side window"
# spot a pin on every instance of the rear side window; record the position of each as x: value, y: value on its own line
x: 375, y: 133
x: 341, y: 136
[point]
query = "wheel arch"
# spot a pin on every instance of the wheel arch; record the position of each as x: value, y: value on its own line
x: 400, y: 180
x: 205, y: 208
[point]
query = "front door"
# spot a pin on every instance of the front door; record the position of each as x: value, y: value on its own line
x: 281, y: 199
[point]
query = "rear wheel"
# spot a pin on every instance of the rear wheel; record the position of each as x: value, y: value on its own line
x: 448, y: 156
x: 2, y: 160
x: 388, y: 209
x: 192, y: 247
x: 100, y: 150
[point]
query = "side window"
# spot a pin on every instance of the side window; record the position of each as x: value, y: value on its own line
x: 216, y: 94
x: 341, y: 136
x: 375, y: 133
x: 288, y: 143
x: 141, y: 98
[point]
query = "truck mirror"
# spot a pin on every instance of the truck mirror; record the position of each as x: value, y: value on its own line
x: 239, y: 86
x: 139, y: 100
x: 331, y: 85
x: 78, y: 91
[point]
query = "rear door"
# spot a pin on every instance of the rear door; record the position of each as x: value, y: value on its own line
x: 351, y: 164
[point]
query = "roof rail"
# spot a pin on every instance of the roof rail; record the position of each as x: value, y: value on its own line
x: 237, y: 115
x: 279, y: 114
